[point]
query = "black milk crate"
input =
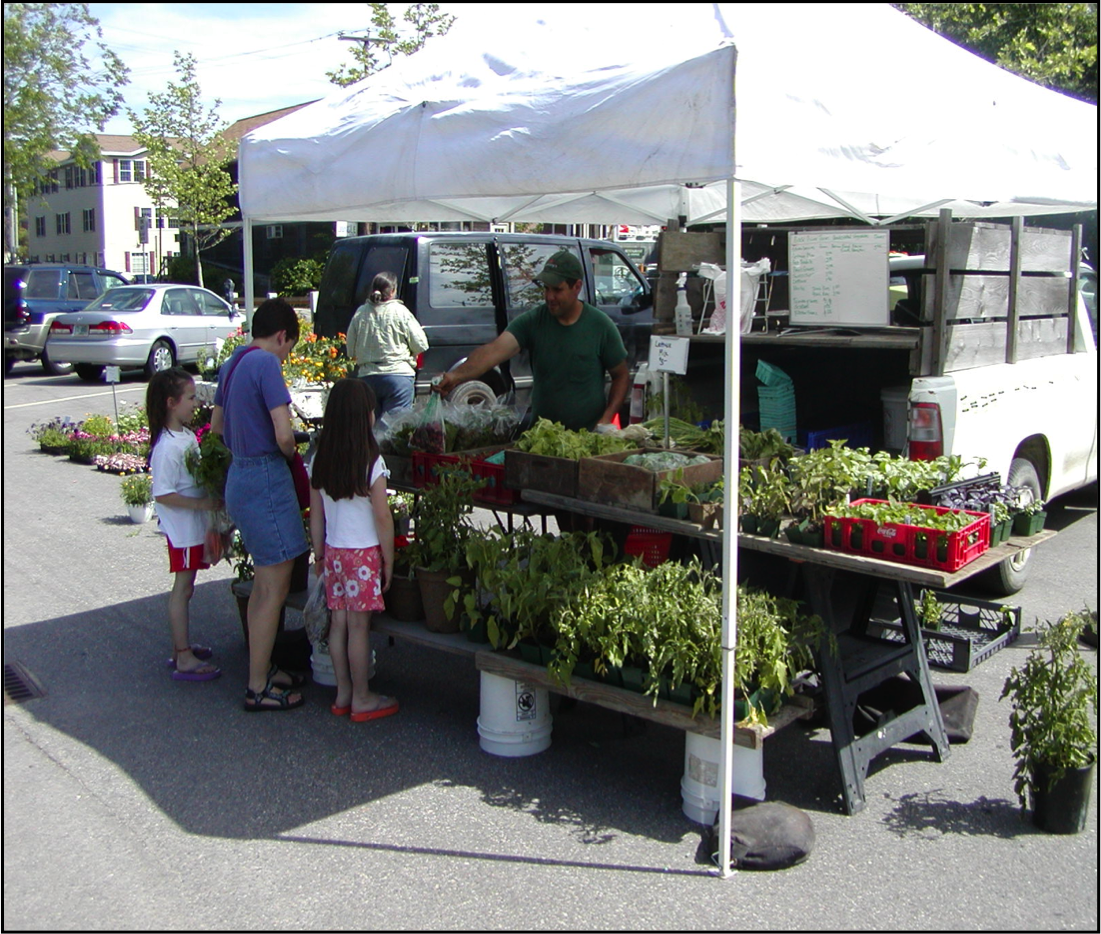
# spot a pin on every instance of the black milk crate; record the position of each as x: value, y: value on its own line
x: 970, y: 631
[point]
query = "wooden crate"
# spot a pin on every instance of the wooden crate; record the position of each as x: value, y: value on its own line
x: 606, y: 479
x: 555, y: 475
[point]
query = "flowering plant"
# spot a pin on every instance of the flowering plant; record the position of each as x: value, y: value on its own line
x: 316, y: 360
x: 137, y: 490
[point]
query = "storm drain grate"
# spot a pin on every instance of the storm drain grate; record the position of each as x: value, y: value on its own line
x: 20, y: 685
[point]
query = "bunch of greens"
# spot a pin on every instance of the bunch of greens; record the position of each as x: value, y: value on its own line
x: 552, y: 439
x: 209, y: 463
x: 684, y: 434
x: 763, y: 445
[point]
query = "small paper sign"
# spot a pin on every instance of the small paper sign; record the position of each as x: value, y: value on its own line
x: 669, y: 354
x: 112, y: 374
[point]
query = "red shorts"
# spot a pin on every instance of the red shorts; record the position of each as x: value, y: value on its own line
x: 186, y: 559
x: 353, y: 579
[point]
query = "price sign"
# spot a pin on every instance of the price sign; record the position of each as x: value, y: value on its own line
x: 112, y: 374
x: 669, y: 355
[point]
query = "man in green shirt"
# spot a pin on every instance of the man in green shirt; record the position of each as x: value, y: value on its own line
x: 571, y: 343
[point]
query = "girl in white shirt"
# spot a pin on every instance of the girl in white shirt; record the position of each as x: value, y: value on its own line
x: 353, y: 541
x: 183, y: 509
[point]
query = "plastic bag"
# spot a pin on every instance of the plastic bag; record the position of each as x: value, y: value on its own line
x: 717, y: 275
x: 316, y: 612
x: 430, y: 433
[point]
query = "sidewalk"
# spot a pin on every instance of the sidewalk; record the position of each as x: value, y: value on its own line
x: 135, y: 802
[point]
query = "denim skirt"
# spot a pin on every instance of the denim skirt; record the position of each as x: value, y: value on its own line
x: 261, y: 501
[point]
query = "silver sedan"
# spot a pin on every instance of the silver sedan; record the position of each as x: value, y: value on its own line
x: 148, y: 326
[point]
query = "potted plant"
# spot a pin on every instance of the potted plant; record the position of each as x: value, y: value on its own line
x: 442, y: 527
x: 53, y: 436
x: 765, y: 493
x: 137, y: 494
x: 1029, y: 520
x: 1054, y: 698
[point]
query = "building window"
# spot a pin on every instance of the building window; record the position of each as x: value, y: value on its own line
x: 63, y: 223
x: 139, y: 170
x: 275, y: 232
x: 125, y: 170
x: 89, y: 220
x: 40, y: 226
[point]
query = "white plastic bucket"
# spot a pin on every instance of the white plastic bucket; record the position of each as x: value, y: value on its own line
x: 515, y: 717
x: 321, y: 666
x: 699, y: 788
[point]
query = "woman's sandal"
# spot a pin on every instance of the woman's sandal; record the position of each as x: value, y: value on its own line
x: 294, y: 682
x: 254, y: 700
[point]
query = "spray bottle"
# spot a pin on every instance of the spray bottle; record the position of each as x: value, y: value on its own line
x: 682, y: 314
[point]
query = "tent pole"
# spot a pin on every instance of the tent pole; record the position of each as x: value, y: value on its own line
x: 731, y: 420
x: 250, y: 290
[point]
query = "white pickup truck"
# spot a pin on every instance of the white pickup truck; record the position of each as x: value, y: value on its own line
x: 991, y: 353
x: 1034, y: 420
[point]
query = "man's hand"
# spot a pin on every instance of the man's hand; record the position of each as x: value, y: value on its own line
x: 444, y: 384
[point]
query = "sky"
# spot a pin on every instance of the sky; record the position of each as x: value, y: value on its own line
x: 253, y: 57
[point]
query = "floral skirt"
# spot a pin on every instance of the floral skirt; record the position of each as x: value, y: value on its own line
x: 353, y: 579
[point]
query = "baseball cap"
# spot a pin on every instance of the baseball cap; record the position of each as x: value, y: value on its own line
x: 562, y: 266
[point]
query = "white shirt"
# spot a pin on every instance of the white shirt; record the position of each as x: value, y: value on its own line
x: 350, y: 523
x: 185, y: 528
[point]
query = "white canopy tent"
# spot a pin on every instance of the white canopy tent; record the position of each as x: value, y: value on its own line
x: 607, y: 114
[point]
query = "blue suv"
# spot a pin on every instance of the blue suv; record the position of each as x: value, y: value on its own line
x: 35, y: 294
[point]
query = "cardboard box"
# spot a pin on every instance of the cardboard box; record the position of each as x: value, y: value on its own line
x: 607, y: 479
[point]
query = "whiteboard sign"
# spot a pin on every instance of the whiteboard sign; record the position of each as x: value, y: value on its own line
x: 669, y: 355
x: 839, y: 278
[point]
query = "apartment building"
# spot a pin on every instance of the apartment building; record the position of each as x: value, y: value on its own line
x: 101, y: 215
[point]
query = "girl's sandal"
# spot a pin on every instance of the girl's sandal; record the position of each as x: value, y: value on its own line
x: 254, y: 700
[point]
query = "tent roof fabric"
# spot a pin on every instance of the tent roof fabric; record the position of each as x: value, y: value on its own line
x: 605, y: 117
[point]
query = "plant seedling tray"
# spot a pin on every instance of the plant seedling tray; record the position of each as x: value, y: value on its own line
x: 910, y: 544
x: 495, y: 490
x: 606, y: 479
x: 970, y: 632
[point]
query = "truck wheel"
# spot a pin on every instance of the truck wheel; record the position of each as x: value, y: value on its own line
x: 52, y: 368
x: 1009, y: 577
x: 89, y: 372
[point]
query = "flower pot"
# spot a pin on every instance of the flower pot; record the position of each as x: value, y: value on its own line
x: 748, y: 524
x: 1025, y: 525
x: 434, y: 593
x: 140, y: 514
x: 532, y: 652
x: 704, y: 514
x: 671, y: 510
x: 769, y: 528
x: 403, y: 599
x: 1061, y: 807
x: 633, y: 677
x: 477, y: 632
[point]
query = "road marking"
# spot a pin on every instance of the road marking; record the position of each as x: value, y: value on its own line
x: 89, y: 395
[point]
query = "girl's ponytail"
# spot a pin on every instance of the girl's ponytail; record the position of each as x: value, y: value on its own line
x: 163, y: 386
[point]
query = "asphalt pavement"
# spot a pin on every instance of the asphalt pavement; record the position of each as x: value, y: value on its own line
x: 134, y: 802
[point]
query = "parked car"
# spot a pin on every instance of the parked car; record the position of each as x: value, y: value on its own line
x: 465, y: 288
x: 148, y: 326
x: 35, y: 294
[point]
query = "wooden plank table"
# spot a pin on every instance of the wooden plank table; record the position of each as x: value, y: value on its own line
x: 510, y: 665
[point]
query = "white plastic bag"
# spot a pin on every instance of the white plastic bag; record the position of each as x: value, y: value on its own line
x: 316, y: 612
x: 717, y: 275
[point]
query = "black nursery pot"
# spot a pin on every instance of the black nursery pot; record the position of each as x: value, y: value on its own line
x: 1062, y: 807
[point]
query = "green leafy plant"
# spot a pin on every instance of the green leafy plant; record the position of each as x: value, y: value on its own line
x: 441, y: 521
x: 929, y: 610
x: 552, y: 439
x: 525, y: 579
x: 1054, y: 698
x: 209, y: 462
x: 54, y: 433
x: 137, y: 489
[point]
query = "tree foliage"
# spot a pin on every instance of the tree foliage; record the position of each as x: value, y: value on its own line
x: 1053, y: 44
x: 188, y: 158
x: 60, y: 83
x: 425, y: 20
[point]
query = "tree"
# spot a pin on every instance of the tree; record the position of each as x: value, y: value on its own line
x: 1053, y: 44
x: 188, y: 157
x: 426, y: 21
x: 60, y: 83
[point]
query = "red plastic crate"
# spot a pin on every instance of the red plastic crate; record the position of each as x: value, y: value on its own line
x: 494, y: 492
x: 649, y: 544
x: 910, y: 544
